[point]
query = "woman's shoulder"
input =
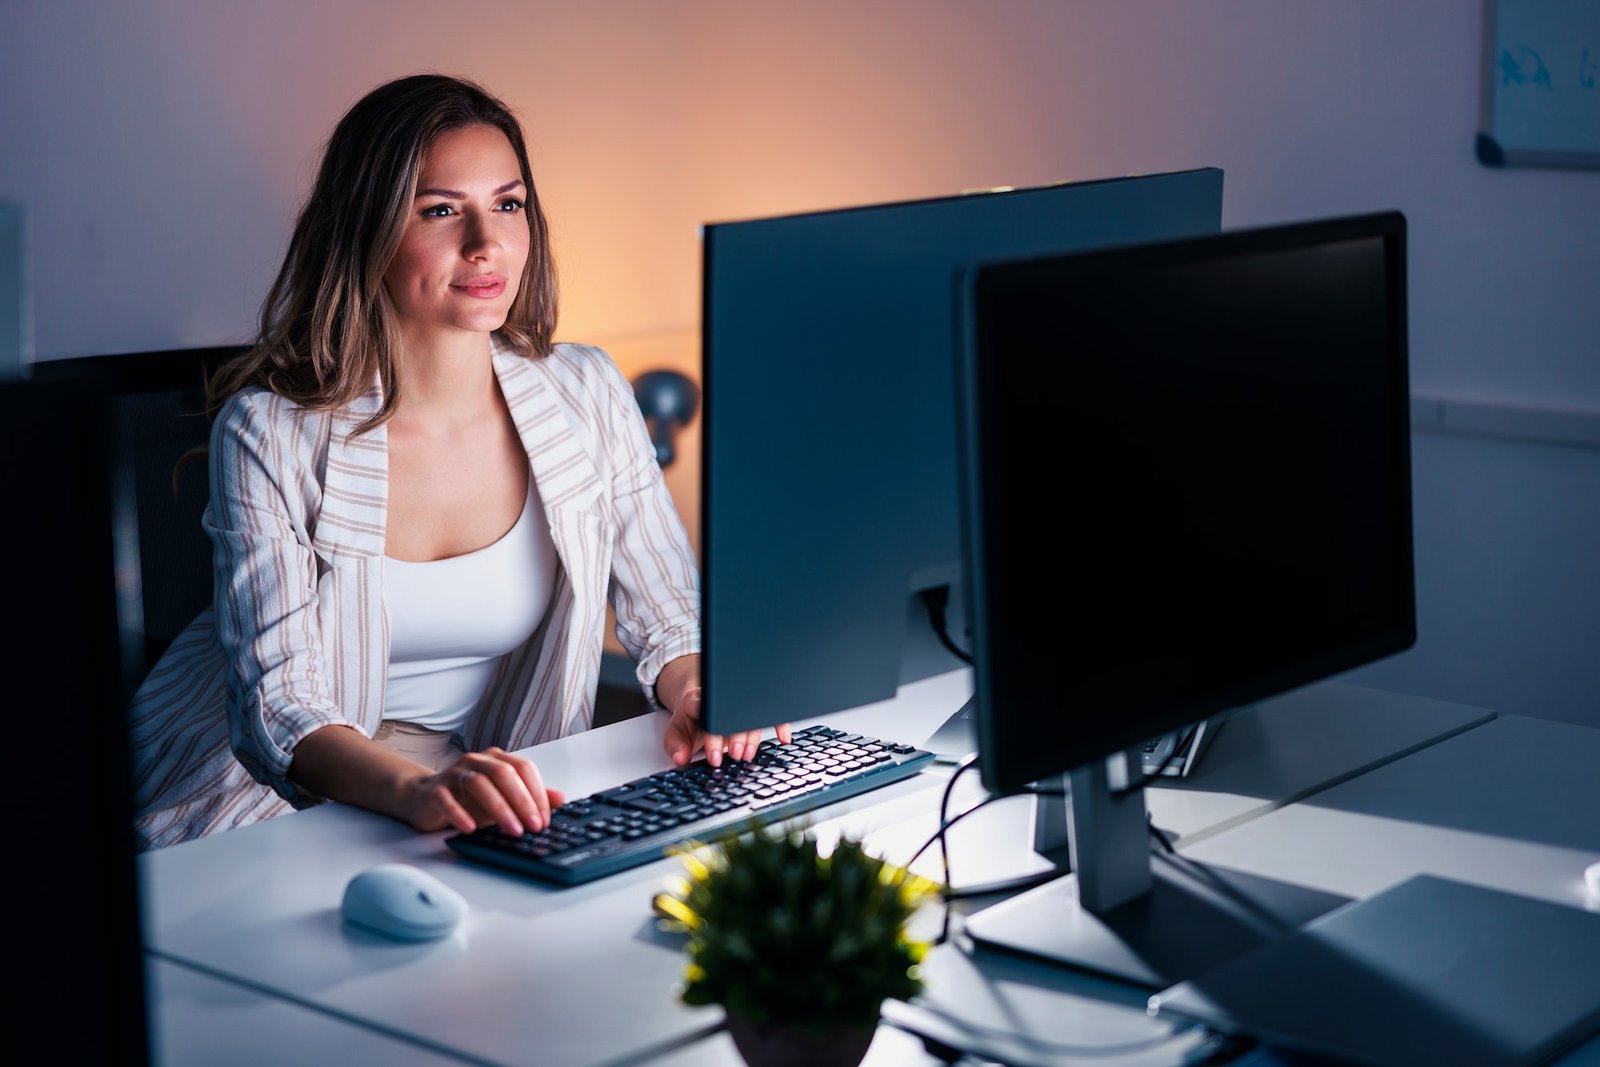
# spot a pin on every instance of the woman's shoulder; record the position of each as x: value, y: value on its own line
x: 256, y: 411
x: 577, y: 370
x: 582, y: 361
x: 260, y: 402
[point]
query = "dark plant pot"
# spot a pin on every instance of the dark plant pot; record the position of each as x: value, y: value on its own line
x: 775, y: 1045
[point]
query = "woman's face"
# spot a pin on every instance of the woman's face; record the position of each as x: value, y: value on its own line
x: 464, y: 246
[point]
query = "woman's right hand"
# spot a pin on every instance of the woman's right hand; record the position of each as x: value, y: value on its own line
x: 489, y: 787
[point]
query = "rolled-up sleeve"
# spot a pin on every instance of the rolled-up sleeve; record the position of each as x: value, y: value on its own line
x: 266, y: 586
x: 655, y: 588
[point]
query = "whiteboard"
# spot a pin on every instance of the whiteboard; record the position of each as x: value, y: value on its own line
x: 1540, y: 99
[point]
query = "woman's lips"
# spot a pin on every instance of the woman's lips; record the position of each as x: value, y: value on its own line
x: 487, y: 287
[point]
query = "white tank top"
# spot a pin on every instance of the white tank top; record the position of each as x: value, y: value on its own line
x: 450, y: 620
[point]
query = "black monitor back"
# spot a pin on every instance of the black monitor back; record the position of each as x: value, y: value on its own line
x: 1223, y: 430
x: 829, y: 489
x: 79, y: 953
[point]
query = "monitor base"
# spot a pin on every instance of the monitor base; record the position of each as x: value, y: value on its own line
x: 957, y: 737
x: 1192, y: 919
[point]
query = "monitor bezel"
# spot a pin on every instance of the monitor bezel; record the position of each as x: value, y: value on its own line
x: 1010, y: 760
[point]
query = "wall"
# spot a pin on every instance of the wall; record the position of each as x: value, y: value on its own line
x: 161, y: 149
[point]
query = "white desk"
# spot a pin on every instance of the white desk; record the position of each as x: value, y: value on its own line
x: 202, y: 1021
x: 1513, y: 805
x: 582, y: 976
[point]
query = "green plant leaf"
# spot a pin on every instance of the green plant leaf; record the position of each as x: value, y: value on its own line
x: 778, y: 931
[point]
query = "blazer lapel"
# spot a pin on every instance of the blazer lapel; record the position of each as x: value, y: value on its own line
x: 355, y: 487
x: 560, y: 694
x: 564, y: 472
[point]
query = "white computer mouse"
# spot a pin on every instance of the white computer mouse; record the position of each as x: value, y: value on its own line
x: 402, y: 902
x: 1591, y: 877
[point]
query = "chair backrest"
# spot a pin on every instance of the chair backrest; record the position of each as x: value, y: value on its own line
x: 158, y: 416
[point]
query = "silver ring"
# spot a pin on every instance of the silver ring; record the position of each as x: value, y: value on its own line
x: 462, y: 778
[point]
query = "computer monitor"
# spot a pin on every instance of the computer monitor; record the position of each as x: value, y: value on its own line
x: 68, y: 673
x: 1221, y: 425
x: 829, y: 490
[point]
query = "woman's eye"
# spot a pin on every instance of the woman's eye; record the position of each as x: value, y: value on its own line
x: 438, y: 211
x: 511, y: 206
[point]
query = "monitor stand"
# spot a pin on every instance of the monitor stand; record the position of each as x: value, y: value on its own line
x: 1124, y: 916
x: 957, y: 737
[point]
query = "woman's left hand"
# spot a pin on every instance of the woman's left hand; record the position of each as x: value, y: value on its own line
x: 678, y: 688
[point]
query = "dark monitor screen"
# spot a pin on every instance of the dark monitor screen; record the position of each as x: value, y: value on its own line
x: 1187, y: 488
x: 829, y: 465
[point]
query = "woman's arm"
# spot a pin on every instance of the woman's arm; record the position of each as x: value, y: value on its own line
x: 343, y: 764
x: 265, y: 592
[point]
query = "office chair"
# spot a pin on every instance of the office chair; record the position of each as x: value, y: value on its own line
x: 157, y: 416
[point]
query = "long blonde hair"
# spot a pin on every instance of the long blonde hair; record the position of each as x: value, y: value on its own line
x: 327, y: 328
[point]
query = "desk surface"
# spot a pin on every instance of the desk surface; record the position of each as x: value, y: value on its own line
x: 201, y: 1021
x: 533, y: 965
x: 1513, y: 805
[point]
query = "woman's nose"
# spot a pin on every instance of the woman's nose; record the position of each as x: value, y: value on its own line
x: 476, y: 239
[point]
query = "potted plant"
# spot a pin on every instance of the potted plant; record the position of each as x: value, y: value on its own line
x: 800, y: 949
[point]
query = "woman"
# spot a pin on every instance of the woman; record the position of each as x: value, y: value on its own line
x: 418, y: 503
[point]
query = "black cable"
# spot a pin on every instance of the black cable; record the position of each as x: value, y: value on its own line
x: 1216, y: 881
x: 1161, y: 836
x: 935, y: 600
x: 944, y: 850
x: 939, y: 1050
x: 946, y: 823
x: 948, y: 892
x: 944, y: 809
x: 1039, y: 1044
x: 1006, y: 885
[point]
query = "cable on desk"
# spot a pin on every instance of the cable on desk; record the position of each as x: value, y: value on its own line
x: 939, y: 1050
x: 944, y: 847
x: 1037, y: 1044
x: 1163, y: 837
x: 1194, y: 867
x: 946, y: 822
x: 948, y: 892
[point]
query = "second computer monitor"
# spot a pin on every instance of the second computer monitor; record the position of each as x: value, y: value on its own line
x: 1224, y: 430
x: 829, y: 488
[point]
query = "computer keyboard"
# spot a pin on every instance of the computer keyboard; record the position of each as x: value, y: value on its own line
x: 641, y: 820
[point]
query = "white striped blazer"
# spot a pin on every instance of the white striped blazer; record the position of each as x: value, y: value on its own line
x: 297, y: 636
